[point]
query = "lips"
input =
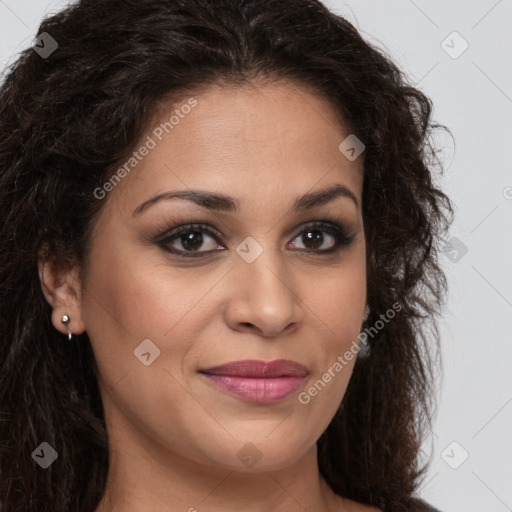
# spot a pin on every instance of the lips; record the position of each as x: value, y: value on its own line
x: 257, y: 381
x: 255, y: 369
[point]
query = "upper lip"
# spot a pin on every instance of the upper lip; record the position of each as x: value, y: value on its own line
x: 255, y: 368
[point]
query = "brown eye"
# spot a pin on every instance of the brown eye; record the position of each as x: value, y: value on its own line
x: 313, y: 237
x: 191, y: 238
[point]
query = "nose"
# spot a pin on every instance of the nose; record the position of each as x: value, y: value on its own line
x: 263, y: 297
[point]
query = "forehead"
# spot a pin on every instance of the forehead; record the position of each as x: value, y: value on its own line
x: 255, y: 141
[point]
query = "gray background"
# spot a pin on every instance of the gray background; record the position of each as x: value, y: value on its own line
x: 472, y: 95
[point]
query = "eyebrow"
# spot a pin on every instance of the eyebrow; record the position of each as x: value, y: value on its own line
x: 221, y: 202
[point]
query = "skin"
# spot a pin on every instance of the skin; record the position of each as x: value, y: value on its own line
x: 174, y: 437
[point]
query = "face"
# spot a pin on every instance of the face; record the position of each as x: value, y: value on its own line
x: 270, y: 270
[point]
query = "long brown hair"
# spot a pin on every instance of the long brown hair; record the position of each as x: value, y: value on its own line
x: 67, y: 119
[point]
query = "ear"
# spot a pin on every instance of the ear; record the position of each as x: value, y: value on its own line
x: 61, y: 286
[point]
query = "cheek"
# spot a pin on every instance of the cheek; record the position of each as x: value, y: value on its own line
x: 126, y: 301
x: 337, y: 308
x: 338, y: 303
x: 334, y: 362
x: 121, y: 308
x: 125, y: 294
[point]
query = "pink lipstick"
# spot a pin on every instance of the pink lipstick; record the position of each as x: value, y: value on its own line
x: 258, y: 381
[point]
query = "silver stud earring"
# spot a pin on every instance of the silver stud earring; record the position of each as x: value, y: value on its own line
x: 65, y: 321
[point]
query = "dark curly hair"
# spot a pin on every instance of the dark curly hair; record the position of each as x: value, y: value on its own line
x: 66, y: 121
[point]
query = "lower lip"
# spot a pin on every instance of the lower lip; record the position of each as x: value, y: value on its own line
x: 257, y: 389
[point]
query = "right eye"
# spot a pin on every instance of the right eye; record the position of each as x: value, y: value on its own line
x: 190, y: 237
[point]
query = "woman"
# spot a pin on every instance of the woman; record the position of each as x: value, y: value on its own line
x: 219, y: 249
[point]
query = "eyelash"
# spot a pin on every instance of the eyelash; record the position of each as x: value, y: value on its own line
x: 331, y: 225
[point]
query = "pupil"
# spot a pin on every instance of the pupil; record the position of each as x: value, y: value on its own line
x: 188, y: 241
x: 316, y: 240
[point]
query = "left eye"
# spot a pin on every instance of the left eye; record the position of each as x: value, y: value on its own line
x: 191, y: 238
x: 316, y: 237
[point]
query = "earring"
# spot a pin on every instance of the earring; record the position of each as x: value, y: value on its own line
x: 366, y: 313
x: 65, y: 321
